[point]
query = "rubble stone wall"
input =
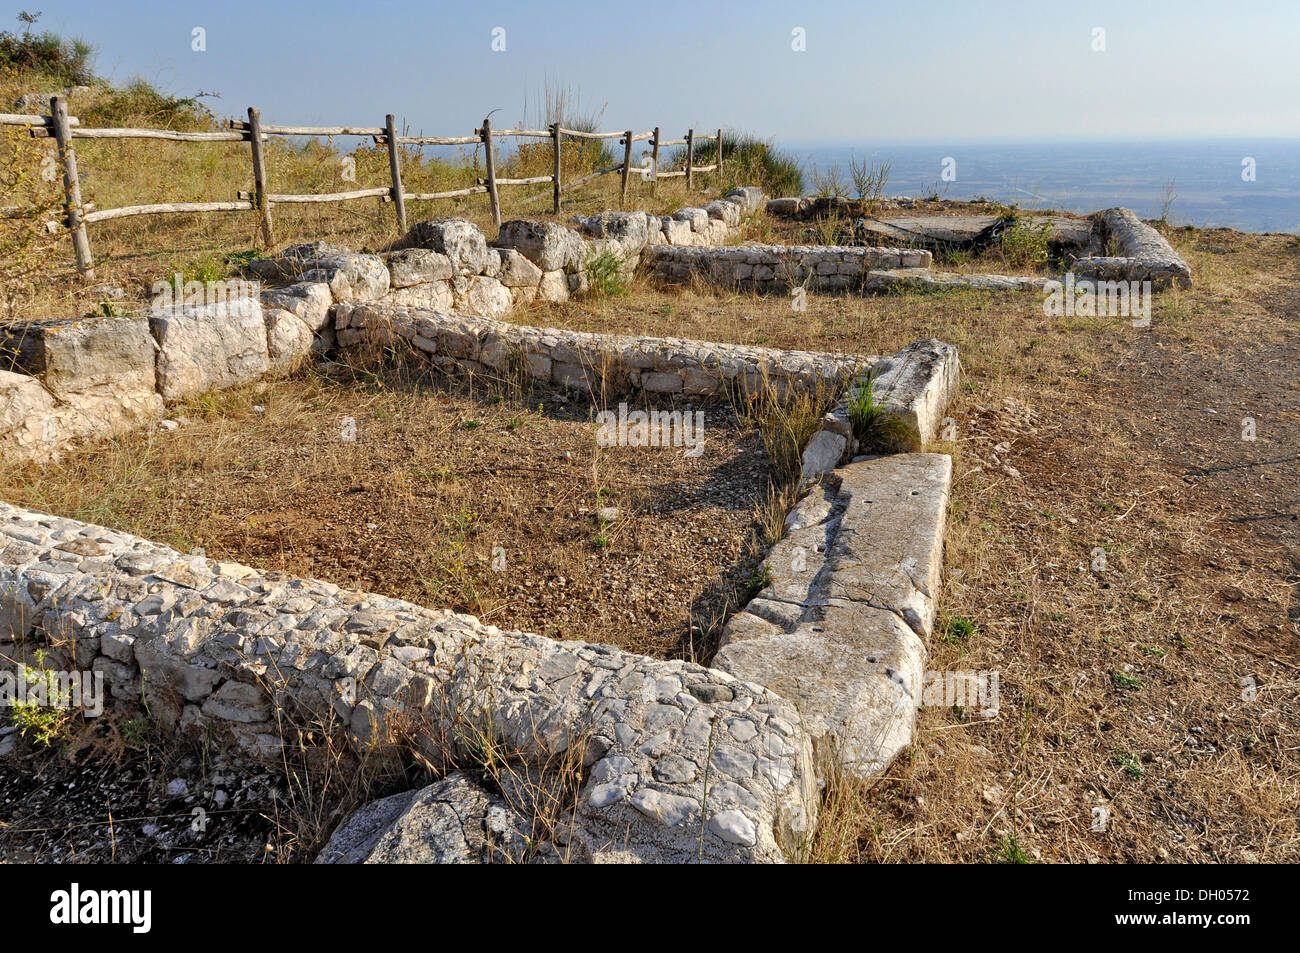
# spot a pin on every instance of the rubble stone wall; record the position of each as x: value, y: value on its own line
x: 223, y: 648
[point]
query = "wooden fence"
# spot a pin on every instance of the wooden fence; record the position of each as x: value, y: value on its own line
x: 64, y: 129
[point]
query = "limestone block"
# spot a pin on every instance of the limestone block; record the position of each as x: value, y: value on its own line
x: 416, y: 266
x: 548, y: 245
x: 202, y: 349
x: 457, y: 238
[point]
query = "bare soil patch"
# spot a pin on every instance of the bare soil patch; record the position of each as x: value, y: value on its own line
x: 411, y: 489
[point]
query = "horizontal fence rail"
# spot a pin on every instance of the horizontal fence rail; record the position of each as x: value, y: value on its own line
x: 61, y: 127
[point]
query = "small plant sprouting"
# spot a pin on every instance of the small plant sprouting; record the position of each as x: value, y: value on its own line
x: 1128, y: 761
x: 602, y: 538
x: 605, y: 275
x: 1009, y: 851
x: 957, y: 629
x: 45, y: 724
x: 758, y: 580
x: 1123, y: 680
x: 875, y: 429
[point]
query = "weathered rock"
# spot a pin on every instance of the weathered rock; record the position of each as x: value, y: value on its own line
x: 554, y: 287
x: 484, y: 296
x: 812, y: 510
x: 517, y: 271
x: 351, y: 277
x: 726, y: 212
x: 785, y: 207
x: 629, y: 230
x: 82, y: 354
x: 453, y: 821
x: 916, y: 386
x: 437, y: 295
x: 548, y: 245
x: 27, y: 422
x: 99, y: 370
x: 288, y: 339
x: 457, y: 238
x: 858, y: 705
x: 294, y: 260
x: 698, y: 218
x: 676, y: 231
x: 889, y: 549
x: 750, y: 198
x: 308, y: 301
x: 204, y: 349
x: 853, y: 592
x: 1144, y: 254
x: 415, y: 266
x: 919, y: 279
x: 823, y: 454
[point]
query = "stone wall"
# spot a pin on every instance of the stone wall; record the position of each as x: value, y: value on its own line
x: 777, y: 267
x: 86, y: 377
x: 842, y: 626
x: 1144, y: 254
x: 604, y: 365
x: 92, y: 377
x: 221, y: 648
x: 913, y: 387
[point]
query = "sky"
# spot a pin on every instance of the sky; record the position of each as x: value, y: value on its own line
x: 869, y: 71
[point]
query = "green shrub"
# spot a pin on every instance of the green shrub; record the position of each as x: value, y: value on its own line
x: 876, y: 430
x: 746, y: 160
x: 605, y: 275
x: 1024, y: 245
x: 64, y: 62
x: 139, y: 103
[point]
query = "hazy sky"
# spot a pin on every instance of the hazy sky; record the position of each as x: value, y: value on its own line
x: 872, y: 71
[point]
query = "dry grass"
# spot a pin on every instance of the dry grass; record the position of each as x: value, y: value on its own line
x: 132, y: 253
x: 1121, y: 686
x: 478, y: 498
x: 1073, y: 436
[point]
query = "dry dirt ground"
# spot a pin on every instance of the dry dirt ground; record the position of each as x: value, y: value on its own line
x: 1117, y: 552
x: 506, y: 508
x: 1148, y: 697
x: 434, y: 478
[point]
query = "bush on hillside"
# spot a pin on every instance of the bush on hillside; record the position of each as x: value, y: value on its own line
x: 62, y: 61
x: 747, y: 160
x: 139, y: 103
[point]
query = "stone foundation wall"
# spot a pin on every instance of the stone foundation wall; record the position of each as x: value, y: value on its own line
x: 224, y: 649
x: 73, y: 378
x: 604, y: 365
x: 221, y: 648
x: 1144, y: 254
x: 777, y: 267
x: 841, y: 629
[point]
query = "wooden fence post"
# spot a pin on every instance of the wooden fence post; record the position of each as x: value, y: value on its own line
x: 395, y: 167
x: 690, y: 154
x: 718, y: 170
x: 627, y: 161
x: 259, y: 173
x: 555, y: 146
x: 71, y: 187
x: 654, y: 163
x: 491, y: 173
